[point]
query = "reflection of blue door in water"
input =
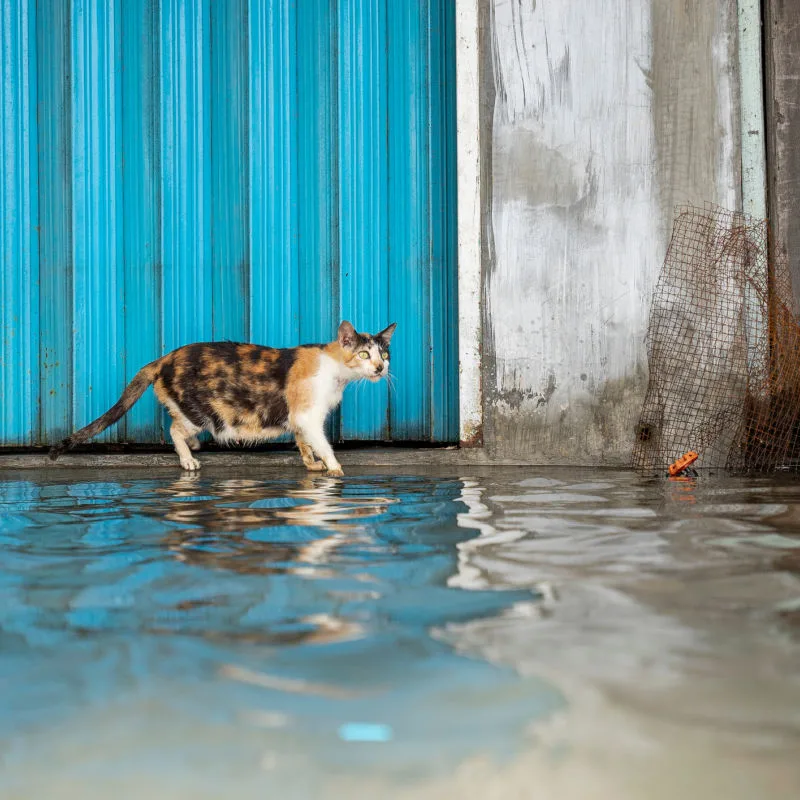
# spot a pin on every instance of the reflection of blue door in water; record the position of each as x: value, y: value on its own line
x: 169, y: 589
x: 184, y: 170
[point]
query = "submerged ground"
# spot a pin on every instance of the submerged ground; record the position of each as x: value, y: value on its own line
x: 486, y: 633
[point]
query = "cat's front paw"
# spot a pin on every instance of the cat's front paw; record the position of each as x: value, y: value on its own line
x: 336, y: 472
x: 190, y: 464
x: 315, y: 466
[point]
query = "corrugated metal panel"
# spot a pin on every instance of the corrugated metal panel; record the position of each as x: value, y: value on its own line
x: 409, y: 234
x: 364, y: 206
x: 318, y: 175
x: 19, y: 220
x: 54, y: 101
x: 443, y: 361
x: 246, y: 170
x: 230, y: 243
x: 186, y: 222
x: 141, y: 181
x: 97, y: 267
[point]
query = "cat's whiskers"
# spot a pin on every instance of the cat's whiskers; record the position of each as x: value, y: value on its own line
x: 391, y: 380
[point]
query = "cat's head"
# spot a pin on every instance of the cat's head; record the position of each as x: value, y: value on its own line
x: 365, y: 355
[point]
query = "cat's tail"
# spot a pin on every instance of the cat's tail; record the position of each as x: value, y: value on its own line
x: 133, y: 391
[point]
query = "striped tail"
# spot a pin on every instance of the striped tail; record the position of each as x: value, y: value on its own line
x: 133, y: 391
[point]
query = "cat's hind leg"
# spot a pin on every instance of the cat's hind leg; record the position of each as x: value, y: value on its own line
x: 313, y: 464
x: 183, y: 432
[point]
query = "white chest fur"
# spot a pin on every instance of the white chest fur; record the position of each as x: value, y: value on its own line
x: 327, y: 385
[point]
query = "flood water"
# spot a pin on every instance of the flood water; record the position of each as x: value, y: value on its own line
x: 483, y: 633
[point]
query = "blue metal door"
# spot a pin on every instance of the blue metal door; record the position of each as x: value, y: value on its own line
x: 184, y: 170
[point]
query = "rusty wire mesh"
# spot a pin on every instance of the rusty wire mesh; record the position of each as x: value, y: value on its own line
x: 723, y: 348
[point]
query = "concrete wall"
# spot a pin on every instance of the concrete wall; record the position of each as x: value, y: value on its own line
x: 601, y: 116
x: 782, y: 59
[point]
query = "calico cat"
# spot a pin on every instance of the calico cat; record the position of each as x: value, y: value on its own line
x: 249, y: 393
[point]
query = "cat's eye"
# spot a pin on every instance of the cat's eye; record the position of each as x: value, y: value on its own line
x: 384, y: 354
x: 363, y: 354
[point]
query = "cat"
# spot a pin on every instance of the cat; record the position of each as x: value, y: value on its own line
x: 250, y: 393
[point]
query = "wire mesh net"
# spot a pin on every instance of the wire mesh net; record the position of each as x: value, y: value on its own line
x: 723, y: 348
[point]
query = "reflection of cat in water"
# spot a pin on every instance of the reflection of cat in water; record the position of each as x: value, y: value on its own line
x: 214, y: 536
x: 316, y: 503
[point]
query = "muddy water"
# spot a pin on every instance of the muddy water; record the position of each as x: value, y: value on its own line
x: 494, y: 633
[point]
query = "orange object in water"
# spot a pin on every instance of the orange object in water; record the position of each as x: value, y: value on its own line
x: 686, y: 460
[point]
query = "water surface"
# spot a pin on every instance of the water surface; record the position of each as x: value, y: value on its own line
x: 468, y: 634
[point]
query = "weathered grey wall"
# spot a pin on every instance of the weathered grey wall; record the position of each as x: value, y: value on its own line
x: 782, y: 57
x: 605, y: 115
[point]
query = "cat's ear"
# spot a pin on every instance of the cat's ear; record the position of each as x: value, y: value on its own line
x: 385, y: 335
x: 347, y: 335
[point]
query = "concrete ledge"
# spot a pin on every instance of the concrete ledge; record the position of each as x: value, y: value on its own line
x: 368, y: 457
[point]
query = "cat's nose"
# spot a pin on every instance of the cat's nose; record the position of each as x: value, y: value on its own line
x: 379, y: 369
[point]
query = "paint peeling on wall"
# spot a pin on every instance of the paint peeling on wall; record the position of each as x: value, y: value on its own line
x: 606, y: 113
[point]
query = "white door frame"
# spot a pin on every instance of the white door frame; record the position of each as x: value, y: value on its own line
x: 469, y: 221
